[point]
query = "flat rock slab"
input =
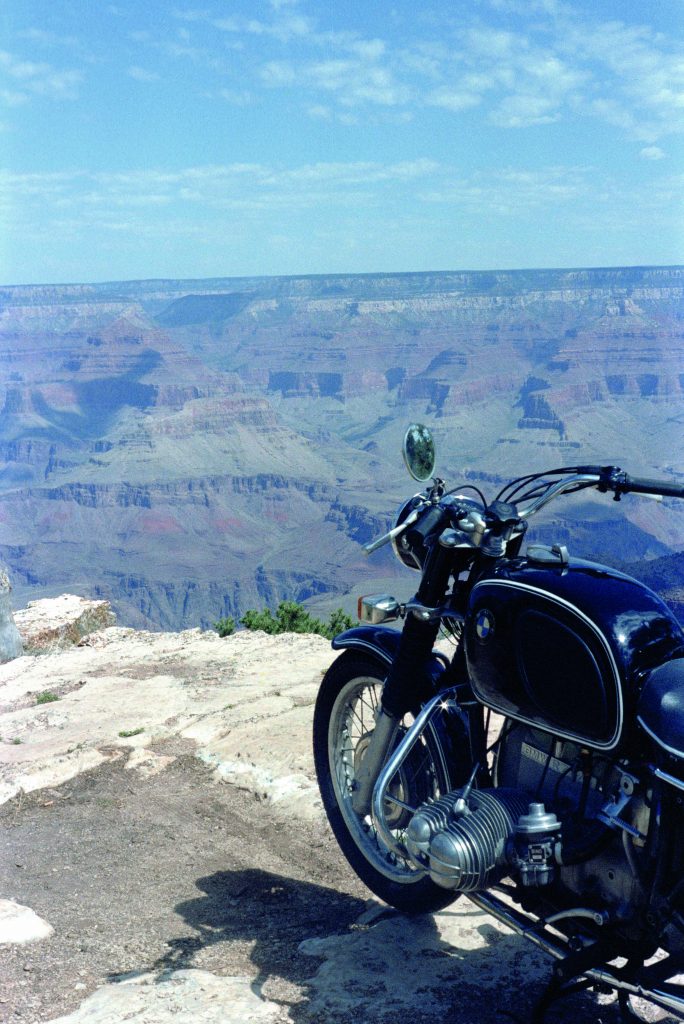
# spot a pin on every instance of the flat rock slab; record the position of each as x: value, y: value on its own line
x: 181, y: 997
x: 20, y: 924
x: 245, y: 701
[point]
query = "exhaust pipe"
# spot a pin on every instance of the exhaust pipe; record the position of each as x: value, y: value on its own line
x: 665, y: 995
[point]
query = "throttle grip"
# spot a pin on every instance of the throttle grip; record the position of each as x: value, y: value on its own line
x: 625, y: 484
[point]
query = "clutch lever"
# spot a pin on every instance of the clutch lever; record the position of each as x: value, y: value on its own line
x: 411, y: 518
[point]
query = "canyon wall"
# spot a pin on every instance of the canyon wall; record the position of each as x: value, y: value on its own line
x: 189, y: 449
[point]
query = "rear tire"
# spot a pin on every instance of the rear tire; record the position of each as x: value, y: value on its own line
x: 344, y: 719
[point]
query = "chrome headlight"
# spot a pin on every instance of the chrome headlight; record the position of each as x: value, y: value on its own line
x: 409, y: 549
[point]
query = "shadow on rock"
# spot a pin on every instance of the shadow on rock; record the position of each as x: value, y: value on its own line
x: 268, y: 912
x: 455, y: 966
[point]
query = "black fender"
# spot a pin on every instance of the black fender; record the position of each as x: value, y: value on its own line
x: 451, y: 728
x: 383, y: 642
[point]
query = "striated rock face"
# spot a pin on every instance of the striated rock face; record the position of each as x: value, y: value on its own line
x: 187, y: 450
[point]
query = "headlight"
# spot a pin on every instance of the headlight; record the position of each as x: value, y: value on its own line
x: 409, y: 548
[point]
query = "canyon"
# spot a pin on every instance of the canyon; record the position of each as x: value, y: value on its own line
x: 191, y: 449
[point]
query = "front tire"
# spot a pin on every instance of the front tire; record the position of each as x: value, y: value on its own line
x: 344, y: 719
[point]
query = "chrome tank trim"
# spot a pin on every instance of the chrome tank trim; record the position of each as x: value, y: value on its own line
x: 574, y: 737
x: 658, y: 741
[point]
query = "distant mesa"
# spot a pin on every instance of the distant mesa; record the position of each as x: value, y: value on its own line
x: 203, y: 309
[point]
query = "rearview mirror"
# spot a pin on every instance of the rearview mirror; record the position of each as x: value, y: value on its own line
x: 419, y: 451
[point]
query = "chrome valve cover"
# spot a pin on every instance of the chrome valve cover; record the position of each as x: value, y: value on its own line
x: 465, y: 848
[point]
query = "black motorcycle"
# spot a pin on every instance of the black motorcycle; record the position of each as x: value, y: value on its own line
x: 540, y: 769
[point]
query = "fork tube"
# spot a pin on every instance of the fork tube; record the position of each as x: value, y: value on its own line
x: 393, y: 765
x: 379, y: 747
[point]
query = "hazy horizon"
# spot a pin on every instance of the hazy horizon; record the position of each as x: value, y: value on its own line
x: 439, y: 271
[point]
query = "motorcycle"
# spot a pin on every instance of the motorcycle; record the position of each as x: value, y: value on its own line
x: 539, y: 771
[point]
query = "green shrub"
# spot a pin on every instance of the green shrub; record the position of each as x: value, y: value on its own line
x: 291, y: 617
x: 46, y: 697
x: 225, y: 626
x: 338, y: 622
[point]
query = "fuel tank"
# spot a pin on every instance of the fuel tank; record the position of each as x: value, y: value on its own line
x: 564, y: 647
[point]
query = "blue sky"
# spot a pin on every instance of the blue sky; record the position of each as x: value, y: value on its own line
x: 230, y: 138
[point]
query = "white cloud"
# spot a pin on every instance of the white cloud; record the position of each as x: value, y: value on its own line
x: 143, y: 74
x: 356, y: 81
x: 511, y: 190
x: 277, y: 73
x: 652, y: 153
x: 452, y: 99
x: 368, y: 49
x: 12, y: 98
x: 38, y: 79
x: 236, y: 97
x: 522, y: 110
x: 241, y: 187
x: 641, y: 75
x: 48, y: 39
x: 320, y: 111
x: 285, y: 25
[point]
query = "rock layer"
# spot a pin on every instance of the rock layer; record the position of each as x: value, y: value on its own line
x: 169, y: 446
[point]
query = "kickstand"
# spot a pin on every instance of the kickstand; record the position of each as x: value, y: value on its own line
x: 627, y: 1014
x: 567, y: 976
x: 555, y: 990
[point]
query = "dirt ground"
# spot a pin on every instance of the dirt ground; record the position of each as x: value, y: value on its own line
x: 176, y: 871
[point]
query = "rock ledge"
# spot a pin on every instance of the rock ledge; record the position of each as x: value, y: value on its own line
x: 54, y: 623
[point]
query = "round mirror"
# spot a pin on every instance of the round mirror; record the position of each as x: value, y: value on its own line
x: 419, y: 451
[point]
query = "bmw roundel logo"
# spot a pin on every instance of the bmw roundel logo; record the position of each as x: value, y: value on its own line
x: 484, y: 624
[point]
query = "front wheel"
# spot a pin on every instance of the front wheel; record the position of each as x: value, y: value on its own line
x: 344, y: 719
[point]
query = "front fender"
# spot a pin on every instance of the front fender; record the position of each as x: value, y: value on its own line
x: 383, y: 642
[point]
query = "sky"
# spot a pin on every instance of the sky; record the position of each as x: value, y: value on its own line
x: 266, y: 137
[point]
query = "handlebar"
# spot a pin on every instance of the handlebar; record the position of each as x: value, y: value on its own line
x: 641, y: 485
x: 604, y: 478
x: 411, y: 518
x: 568, y: 483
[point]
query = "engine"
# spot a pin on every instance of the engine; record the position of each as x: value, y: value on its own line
x: 559, y: 819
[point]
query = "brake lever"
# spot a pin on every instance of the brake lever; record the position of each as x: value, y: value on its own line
x: 411, y: 518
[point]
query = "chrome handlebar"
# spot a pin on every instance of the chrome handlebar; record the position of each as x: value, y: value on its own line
x: 411, y: 518
x: 553, y: 492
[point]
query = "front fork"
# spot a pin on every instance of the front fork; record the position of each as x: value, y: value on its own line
x: 382, y: 738
x: 408, y: 684
x: 440, y: 703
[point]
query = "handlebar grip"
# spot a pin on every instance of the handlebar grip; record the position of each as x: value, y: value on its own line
x: 430, y: 521
x: 641, y: 485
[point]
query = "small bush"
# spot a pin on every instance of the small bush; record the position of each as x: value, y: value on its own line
x: 291, y: 617
x: 226, y: 626
x: 125, y: 733
x: 338, y: 622
x: 46, y: 697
